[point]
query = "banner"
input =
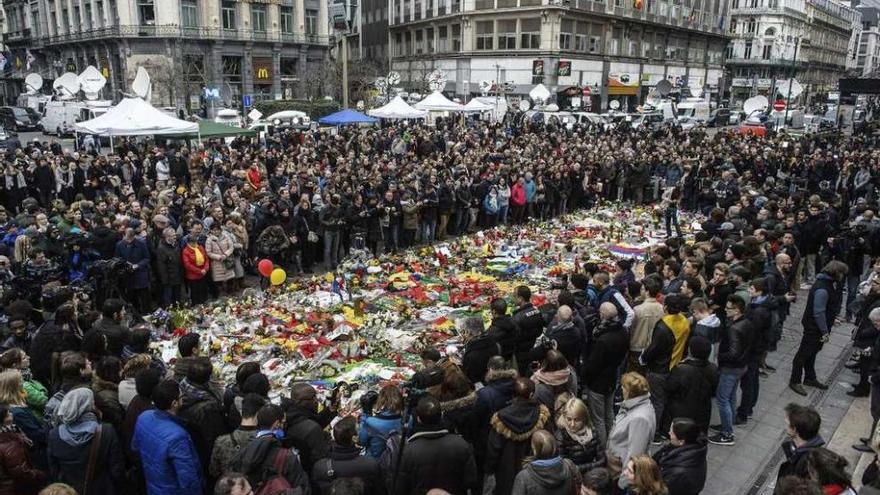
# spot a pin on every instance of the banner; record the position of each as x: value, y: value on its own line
x: 564, y: 68
x: 537, y: 67
x: 262, y: 70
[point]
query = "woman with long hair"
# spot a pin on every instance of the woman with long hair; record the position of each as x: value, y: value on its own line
x: 643, y: 477
x: 36, y: 394
x: 13, y: 395
x: 375, y: 428
x: 575, y: 437
x: 546, y: 472
x: 828, y: 469
x: 553, y: 380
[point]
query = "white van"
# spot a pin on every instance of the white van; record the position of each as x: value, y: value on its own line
x: 229, y: 116
x: 59, y: 116
x: 696, y: 109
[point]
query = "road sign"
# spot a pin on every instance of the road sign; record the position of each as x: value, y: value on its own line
x: 779, y: 105
x: 586, y: 91
x: 246, y: 101
x: 254, y: 114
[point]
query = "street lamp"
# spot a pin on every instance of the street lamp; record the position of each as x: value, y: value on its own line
x: 797, y: 41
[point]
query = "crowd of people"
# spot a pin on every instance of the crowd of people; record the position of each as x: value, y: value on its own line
x: 607, y: 389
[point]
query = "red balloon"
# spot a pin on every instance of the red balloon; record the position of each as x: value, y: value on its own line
x: 265, y: 267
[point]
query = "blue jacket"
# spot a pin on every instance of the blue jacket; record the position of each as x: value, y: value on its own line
x: 136, y: 253
x: 530, y: 191
x: 168, y: 455
x: 374, y: 431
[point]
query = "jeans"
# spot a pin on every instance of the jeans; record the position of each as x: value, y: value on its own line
x: 672, y: 217
x: 804, y: 364
x: 602, y: 413
x: 809, y: 262
x: 429, y: 229
x: 463, y: 218
x: 389, y: 234
x: 441, y: 229
x: 725, y: 395
x: 331, y: 248
x: 502, y: 214
x: 852, y: 287
x: 657, y: 384
x: 750, y: 386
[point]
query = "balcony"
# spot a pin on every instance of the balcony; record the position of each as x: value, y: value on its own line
x: 174, y: 31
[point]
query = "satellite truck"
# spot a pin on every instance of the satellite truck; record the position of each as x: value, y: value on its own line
x: 66, y: 109
x: 32, y: 98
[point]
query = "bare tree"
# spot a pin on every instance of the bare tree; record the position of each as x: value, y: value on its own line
x: 165, y: 79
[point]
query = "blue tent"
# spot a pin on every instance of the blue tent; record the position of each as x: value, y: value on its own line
x: 346, y: 116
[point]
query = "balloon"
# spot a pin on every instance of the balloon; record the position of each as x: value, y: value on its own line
x: 265, y: 267
x: 278, y: 276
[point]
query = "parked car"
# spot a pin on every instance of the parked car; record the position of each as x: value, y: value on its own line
x: 17, y: 118
x: 719, y: 117
x: 9, y: 140
x: 757, y: 125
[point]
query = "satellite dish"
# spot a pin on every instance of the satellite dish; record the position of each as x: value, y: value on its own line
x: 755, y: 104
x: 524, y: 105
x: 33, y: 82
x: 614, y: 105
x: 436, y: 80
x: 393, y: 78
x: 141, y: 85
x: 92, y: 82
x: 782, y: 87
x: 663, y: 88
x: 66, y: 86
x: 653, y: 99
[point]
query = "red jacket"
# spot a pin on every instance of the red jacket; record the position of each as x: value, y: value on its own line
x: 518, y: 195
x: 18, y: 476
x: 191, y: 271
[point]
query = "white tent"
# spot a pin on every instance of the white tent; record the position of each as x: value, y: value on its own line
x: 476, y: 105
x: 135, y: 117
x: 437, y: 102
x: 397, y: 109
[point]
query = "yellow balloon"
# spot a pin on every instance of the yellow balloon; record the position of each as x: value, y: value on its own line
x: 278, y: 276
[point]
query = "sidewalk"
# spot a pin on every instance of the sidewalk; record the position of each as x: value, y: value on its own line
x: 751, y: 465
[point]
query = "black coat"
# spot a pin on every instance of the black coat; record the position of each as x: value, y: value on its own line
x: 477, y: 354
x: 795, y: 463
x: 585, y: 456
x: 658, y: 354
x: 761, y: 316
x: 509, y: 440
x: 735, y: 348
x: 504, y: 331
x: 690, y: 389
x: 609, y: 349
x: 683, y: 468
x: 67, y: 463
x: 435, y: 458
x: 347, y: 462
x: 497, y: 390
x: 117, y: 335
x: 205, y: 422
x: 169, y: 264
x: 530, y: 325
x: 305, y: 432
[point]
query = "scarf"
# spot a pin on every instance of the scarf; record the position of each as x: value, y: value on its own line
x: 833, y: 489
x: 582, y: 437
x: 552, y: 378
x: 14, y: 429
x: 200, y: 258
x: 187, y: 388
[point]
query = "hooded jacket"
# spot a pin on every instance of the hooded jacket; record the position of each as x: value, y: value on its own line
x: 305, y: 432
x: 683, y: 468
x: 504, y: 330
x: 556, y: 476
x: 68, y: 461
x: 435, y: 458
x: 477, y: 354
x: 609, y: 349
x: 509, y: 438
x: 795, y: 463
x: 690, y: 388
x: 497, y: 390
x: 202, y: 411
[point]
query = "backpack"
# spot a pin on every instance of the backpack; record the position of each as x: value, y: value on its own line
x: 388, y: 458
x: 276, y: 484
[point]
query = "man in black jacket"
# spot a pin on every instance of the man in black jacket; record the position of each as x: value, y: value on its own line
x: 305, y: 427
x: 802, y: 425
x: 530, y: 325
x: 201, y: 408
x: 733, y: 356
x: 111, y: 325
x: 169, y: 267
x: 264, y: 457
x: 760, y: 313
x: 435, y: 458
x: 691, y: 385
x: 479, y: 348
x: 346, y: 461
x: 502, y: 328
x: 599, y: 372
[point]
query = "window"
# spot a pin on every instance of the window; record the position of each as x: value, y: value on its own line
x: 748, y: 50
x: 311, y: 21
x: 733, y: 25
x: 594, y: 44
x: 767, y: 52
x: 456, y: 7
x: 507, y: 35
x: 65, y: 19
x: 770, y: 32
x: 580, y: 39
x: 87, y: 20
x: 442, y: 39
x: 398, y: 45
x: 735, y: 4
x: 752, y: 26
x: 287, y: 20
x: 530, y: 37
x: 429, y: 39
x: 456, y: 37
x: 189, y: 14
x: 99, y: 21
x: 565, y: 34
x: 146, y: 11
x: 417, y: 9
x: 35, y: 26
x: 484, y: 4
x: 77, y: 20
x: 484, y: 35
x: 228, y: 15
x: 419, y: 48
x: 258, y: 17
x: 506, y: 4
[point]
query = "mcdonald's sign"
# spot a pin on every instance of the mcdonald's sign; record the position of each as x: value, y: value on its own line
x: 262, y: 70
